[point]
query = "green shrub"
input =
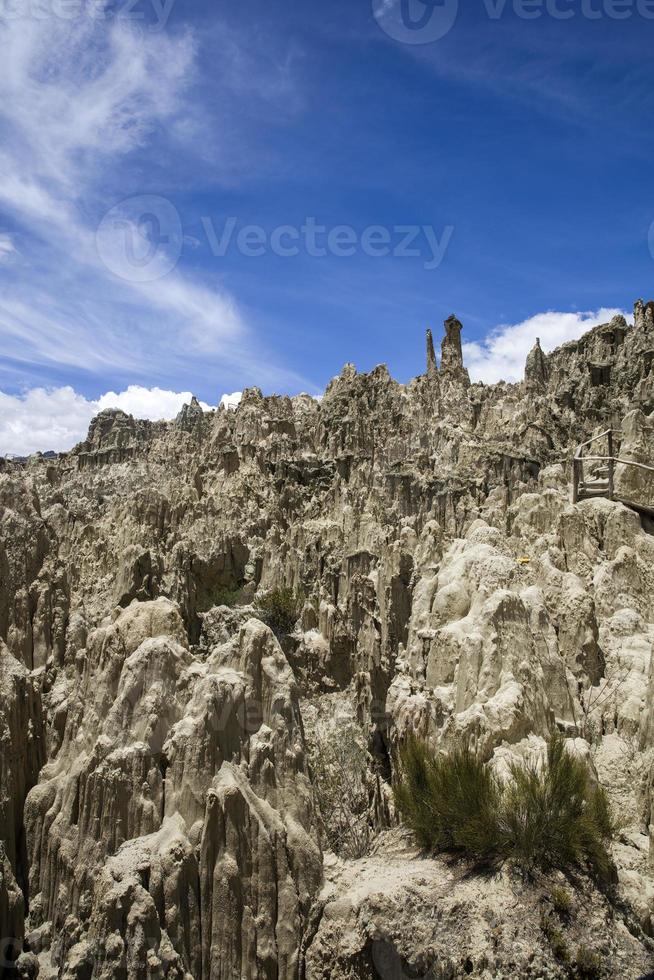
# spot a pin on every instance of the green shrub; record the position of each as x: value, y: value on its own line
x: 548, y: 818
x: 279, y: 609
x: 555, y: 938
x: 587, y: 964
x: 559, y: 945
x: 224, y: 596
x: 449, y: 801
x: 414, y: 793
x: 561, y: 902
x: 555, y: 818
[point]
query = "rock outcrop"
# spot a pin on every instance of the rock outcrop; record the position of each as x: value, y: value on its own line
x: 432, y: 366
x: 395, y: 914
x: 536, y: 369
x: 22, y: 753
x: 158, y: 808
x: 452, y: 352
x: 137, y: 826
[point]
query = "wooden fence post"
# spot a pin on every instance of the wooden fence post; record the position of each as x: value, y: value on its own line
x: 611, y: 466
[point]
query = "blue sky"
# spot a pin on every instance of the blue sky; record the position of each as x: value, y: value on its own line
x: 514, y: 154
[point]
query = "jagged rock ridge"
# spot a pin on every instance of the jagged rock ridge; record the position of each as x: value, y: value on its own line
x: 157, y: 805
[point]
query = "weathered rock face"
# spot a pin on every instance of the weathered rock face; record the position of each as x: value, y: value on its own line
x: 432, y: 366
x: 12, y: 915
x: 157, y: 807
x: 636, y: 482
x: 452, y: 352
x: 536, y: 369
x: 136, y: 832
x: 395, y: 913
x: 34, y: 594
x: 21, y: 753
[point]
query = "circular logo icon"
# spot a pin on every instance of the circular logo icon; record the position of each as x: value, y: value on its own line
x: 140, y: 239
x: 416, y: 21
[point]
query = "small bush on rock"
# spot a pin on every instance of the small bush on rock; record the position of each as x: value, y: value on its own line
x: 555, y: 938
x: 224, y: 596
x: 279, y: 609
x: 552, y: 817
x: 555, y: 818
x: 587, y: 964
x: 449, y: 801
x: 561, y: 902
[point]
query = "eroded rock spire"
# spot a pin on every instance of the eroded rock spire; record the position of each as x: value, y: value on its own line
x: 644, y: 315
x: 432, y: 366
x: 452, y: 353
x: 536, y: 369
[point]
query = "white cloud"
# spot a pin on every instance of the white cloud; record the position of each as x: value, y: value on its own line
x: 232, y: 401
x: 42, y: 420
x: 57, y: 419
x: 6, y: 247
x: 78, y: 100
x: 147, y: 403
x: 501, y: 355
x: 75, y: 90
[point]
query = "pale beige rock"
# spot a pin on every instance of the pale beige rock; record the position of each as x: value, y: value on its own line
x: 154, y: 760
x: 400, y: 914
x: 632, y: 482
x: 22, y: 747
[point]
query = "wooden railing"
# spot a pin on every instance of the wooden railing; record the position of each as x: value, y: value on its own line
x: 582, y: 490
x: 578, y: 479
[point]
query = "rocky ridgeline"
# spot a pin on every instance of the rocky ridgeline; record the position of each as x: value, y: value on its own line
x: 157, y: 807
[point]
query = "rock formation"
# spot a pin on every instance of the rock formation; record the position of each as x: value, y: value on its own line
x: 160, y: 763
x: 536, y: 369
x: 432, y: 366
x: 452, y: 353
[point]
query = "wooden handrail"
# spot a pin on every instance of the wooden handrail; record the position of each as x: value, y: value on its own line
x: 615, y: 459
x: 589, y: 442
x: 612, y: 460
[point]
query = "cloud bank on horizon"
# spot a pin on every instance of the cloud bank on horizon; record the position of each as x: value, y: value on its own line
x: 501, y: 355
x: 57, y: 419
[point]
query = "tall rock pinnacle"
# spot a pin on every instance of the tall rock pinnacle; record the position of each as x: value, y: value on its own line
x: 432, y: 367
x: 643, y: 315
x: 536, y: 369
x: 452, y: 353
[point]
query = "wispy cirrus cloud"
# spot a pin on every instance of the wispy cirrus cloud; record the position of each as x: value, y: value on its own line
x: 80, y: 100
x: 79, y: 90
x: 7, y: 247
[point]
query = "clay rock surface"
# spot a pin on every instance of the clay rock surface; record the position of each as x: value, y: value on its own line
x: 137, y: 830
x: 21, y: 757
x: 397, y: 914
x: 160, y: 798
